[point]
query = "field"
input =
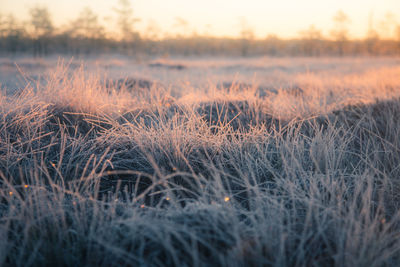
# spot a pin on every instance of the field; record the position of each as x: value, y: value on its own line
x: 114, y: 161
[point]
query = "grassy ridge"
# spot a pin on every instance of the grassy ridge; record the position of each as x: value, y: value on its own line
x: 96, y: 175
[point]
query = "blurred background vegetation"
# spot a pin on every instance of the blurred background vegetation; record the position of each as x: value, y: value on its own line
x: 86, y: 35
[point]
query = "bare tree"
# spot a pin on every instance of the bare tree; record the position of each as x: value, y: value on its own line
x: 42, y: 29
x: 183, y: 27
x: 126, y: 22
x: 87, y: 25
x: 208, y: 30
x: 152, y: 36
x: 372, y: 37
x: 152, y: 31
x: 87, y: 29
x: 273, y: 44
x: 398, y: 37
x: 340, y: 32
x: 246, y: 36
x: 311, y: 37
x: 3, y: 29
x: 387, y: 25
x: 11, y: 33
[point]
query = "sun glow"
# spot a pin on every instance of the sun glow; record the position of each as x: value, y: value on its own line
x: 285, y: 18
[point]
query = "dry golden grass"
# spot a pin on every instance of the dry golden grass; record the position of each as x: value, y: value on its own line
x: 246, y: 174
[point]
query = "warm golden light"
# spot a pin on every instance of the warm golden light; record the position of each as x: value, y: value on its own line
x: 285, y: 18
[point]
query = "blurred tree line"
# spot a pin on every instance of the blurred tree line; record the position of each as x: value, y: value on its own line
x: 86, y: 35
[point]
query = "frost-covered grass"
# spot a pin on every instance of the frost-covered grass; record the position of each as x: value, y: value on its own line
x: 99, y: 173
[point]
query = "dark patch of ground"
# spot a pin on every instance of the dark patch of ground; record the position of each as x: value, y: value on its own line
x: 168, y: 66
x: 129, y: 84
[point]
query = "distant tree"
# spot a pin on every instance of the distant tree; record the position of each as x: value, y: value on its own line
x: 87, y: 25
x: 398, y: 37
x: 11, y: 33
x: 246, y: 36
x: 88, y: 30
x: 152, y: 36
x: 42, y: 29
x: 207, y: 30
x: 152, y: 31
x: 340, y: 32
x: 311, y: 38
x: 273, y: 44
x: 3, y: 23
x: 372, y: 37
x: 183, y: 27
x: 387, y: 26
x: 126, y: 21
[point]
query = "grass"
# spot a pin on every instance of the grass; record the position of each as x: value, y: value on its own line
x: 106, y: 176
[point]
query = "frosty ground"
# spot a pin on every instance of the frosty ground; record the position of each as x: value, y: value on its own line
x: 233, y: 162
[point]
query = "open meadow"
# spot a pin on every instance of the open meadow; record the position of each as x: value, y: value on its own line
x: 120, y: 161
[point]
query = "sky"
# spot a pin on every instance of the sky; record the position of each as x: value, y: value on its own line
x: 285, y: 18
